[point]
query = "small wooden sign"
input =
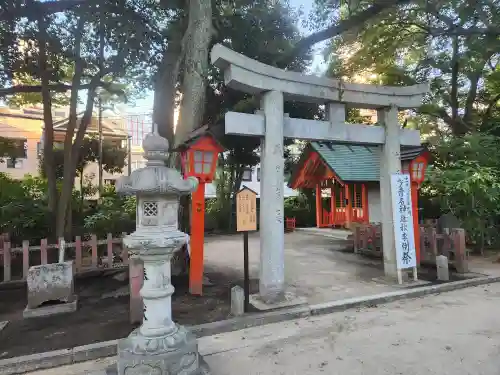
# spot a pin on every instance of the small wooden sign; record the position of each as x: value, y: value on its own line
x: 246, y: 210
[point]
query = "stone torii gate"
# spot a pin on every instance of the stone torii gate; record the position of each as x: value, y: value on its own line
x: 272, y: 125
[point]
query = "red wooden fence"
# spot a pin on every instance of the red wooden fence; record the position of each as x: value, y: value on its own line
x: 85, y: 256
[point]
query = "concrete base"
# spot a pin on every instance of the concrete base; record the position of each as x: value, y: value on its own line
x: 51, y: 309
x: 290, y: 300
x: 173, y: 354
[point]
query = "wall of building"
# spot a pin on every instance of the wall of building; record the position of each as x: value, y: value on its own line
x: 253, y: 182
x: 21, y: 129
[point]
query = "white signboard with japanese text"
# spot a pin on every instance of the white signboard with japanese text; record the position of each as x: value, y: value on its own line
x: 403, y: 221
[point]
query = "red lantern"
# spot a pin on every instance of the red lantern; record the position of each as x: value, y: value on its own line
x: 417, y: 169
x: 199, y: 159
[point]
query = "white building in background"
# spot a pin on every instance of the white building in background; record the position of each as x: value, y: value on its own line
x: 251, y: 179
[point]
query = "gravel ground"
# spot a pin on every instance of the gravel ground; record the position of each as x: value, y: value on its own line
x: 453, y: 333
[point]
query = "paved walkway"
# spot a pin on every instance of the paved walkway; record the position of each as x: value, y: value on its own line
x: 453, y: 333
x: 315, y: 266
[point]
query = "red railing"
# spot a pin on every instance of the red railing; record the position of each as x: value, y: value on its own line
x: 338, y: 217
x: 290, y: 224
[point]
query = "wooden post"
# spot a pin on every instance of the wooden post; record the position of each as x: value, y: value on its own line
x: 197, y: 240
x: 354, y: 205
x: 110, y: 250
x: 416, y: 229
x: 246, y: 269
x: 364, y: 203
x: 348, y: 207
x: 26, y: 258
x: 246, y: 220
x: 43, y: 251
x: 78, y: 253
x: 319, y: 206
x: 461, y: 261
x: 433, y: 242
x: 93, y: 244
x: 6, y: 261
x: 333, y: 205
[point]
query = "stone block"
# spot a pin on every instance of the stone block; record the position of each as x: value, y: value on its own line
x: 443, y: 273
x: 49, y: 310
x: 289, y: 300
x: 50, y: 282
x: 237, y: 301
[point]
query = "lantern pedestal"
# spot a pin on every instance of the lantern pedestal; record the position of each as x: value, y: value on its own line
x: 158, y: 346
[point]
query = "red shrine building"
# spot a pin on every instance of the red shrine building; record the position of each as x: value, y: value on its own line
x: 347, y: 181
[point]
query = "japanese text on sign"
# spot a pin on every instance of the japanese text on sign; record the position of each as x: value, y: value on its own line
x: 246, y: 211
x: 403, y: 221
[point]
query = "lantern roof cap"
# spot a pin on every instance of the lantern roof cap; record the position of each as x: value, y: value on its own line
x: 156, y: 177
x: 155, y: 147
x: 195, y: 135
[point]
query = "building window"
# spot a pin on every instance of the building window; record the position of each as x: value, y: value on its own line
x: 14, y: 163
x: 258, y: 174
x: 247, y: 175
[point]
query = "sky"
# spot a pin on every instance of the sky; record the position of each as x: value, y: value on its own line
x: 146, y: 105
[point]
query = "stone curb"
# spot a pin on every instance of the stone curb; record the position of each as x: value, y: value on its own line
x: 33, y: 362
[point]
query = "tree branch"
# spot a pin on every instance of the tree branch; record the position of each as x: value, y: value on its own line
x: 347, y: 24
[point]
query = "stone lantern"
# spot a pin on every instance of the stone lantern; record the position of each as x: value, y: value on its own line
x: 159, y: 346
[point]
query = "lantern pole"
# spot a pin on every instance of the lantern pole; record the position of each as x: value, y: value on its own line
x: 416, y: 227
x: 197, y: 240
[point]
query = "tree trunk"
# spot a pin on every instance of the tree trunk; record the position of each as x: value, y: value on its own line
x: 166, y: 89
x: 48, y: 157
x: 194, y: 85
x: 70, y: 164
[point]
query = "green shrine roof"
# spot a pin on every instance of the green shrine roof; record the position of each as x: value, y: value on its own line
x: 354, y: 162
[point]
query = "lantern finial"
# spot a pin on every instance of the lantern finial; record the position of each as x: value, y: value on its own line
x: 155, y: 147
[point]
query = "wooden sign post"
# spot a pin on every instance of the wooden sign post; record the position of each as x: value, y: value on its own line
x: 246, y: 221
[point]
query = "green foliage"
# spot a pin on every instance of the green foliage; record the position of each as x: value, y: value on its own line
x: 23, y: 208
x: 24, y: 212
x: 453, y: 45
x: 302, y: 209
x: 115, y: 214
x: 113, y: 157
x: 465, y: 180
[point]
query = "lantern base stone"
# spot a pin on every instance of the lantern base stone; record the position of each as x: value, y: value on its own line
x: 172, y: 354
